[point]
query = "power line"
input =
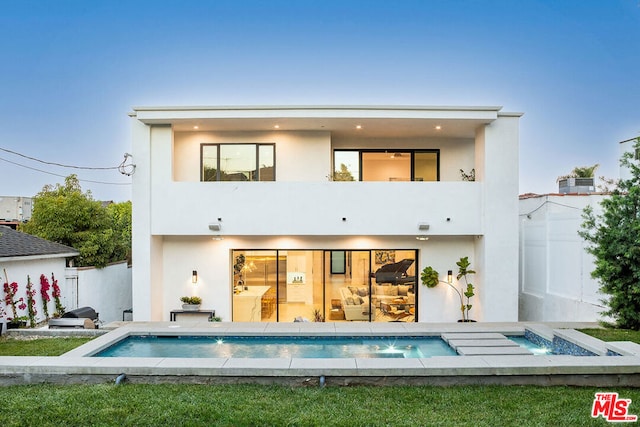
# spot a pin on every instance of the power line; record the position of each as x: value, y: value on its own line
x: 64, y: 176
x: 57, y: 164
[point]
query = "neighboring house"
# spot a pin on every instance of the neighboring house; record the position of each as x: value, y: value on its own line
x: 270, y: 213
x: 15, y: 210
x: 23, y: 255
x: 555, y: 269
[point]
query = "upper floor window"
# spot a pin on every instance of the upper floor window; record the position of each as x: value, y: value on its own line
x: 387, y: 165
x: 237, y: 162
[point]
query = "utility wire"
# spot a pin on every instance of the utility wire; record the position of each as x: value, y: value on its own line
x: 57, y: 164
x: 64, y: 176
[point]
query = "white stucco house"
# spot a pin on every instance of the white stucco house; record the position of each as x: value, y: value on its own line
x: 274, y: 213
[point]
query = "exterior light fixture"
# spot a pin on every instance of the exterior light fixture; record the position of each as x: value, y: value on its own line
x: 215, y: 226
x: 194, y: 276
x: 449, y: 276
x: 423, y: 226
x: 422, y: 237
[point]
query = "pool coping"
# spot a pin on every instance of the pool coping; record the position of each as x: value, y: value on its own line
x: 75, y: 367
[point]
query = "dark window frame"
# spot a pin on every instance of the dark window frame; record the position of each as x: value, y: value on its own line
x: 257, y: 157
x: 411, y: 151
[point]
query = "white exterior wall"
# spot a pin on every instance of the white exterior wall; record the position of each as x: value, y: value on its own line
x: 107, y: 290
x: 555, y: 269
x: 303, y: 210
x: 17, y: 271
x: 497, y: 250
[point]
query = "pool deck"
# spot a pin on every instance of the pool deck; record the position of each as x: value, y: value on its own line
x: 75, y: 367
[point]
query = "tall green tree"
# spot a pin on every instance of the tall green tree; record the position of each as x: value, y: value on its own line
x: 65, y: 214
x: 613, y: 239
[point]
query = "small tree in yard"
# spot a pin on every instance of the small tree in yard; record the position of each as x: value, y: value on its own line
x: 613, y: 238
x: 65, y: 214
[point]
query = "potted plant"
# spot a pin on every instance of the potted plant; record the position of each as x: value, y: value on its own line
x: 430, y: 278
x: 191, y: 303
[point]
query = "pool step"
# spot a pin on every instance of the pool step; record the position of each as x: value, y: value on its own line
x: 483, y: 344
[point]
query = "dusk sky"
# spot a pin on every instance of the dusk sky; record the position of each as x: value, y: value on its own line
x: 71, y: 70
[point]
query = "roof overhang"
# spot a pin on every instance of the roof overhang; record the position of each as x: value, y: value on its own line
x: 37, y: 257
x: 341, y: 121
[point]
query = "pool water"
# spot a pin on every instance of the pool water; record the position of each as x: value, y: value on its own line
x: 532, y: 347
x: 278, y: 347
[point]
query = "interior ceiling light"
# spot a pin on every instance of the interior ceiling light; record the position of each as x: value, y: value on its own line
x: 358, y: 126
x: 196, y: 127
x: 423, y: 238
x: 438, y: 127
x: 276, y: 126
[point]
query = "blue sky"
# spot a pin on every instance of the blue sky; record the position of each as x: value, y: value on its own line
x: 72, y: 70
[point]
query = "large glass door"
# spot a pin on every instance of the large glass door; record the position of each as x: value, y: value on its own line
x: 329, y: 285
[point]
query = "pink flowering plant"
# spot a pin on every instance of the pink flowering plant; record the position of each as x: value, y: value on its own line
x: 10, y: 300
x: 44, y: 293
x: 31, y: 303
x: 56, y: 296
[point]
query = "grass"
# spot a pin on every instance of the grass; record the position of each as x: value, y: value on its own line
x: 255, y: 405
x: 39, y: 346
x: 611, y: 334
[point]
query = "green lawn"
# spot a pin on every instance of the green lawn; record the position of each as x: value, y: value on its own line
x: 39, y: 346
x: 610, y: 334
x: 255, y: 405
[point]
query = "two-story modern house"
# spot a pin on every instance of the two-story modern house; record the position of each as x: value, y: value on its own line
x: 275, y: 213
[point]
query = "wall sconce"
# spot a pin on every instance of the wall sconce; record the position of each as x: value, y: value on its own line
x: 194, y: 277
x: 449, y: 276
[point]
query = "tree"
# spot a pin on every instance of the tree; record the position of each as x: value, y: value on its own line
x: 344, y: 174
x: 613, y: 238
x: 66, y: 215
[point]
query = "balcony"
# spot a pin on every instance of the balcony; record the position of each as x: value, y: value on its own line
x: 317, y: 208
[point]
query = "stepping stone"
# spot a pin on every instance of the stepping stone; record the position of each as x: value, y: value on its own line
x: 472, y: 336
x: 504, y: 342
x: 492, y: 351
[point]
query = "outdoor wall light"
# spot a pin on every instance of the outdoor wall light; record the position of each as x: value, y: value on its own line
x: 194, y: 276
x: 449, y: 276
x: 423, y: 226
x: 215, y: 226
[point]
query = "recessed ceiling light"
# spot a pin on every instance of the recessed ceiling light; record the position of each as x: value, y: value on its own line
x: 196, y: 127
x: 358, y: 126
x: 438, y: 127
x: 276, y: 126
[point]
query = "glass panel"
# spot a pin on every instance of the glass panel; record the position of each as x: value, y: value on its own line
x: 393, y: 288
x: 209, y: 162
x: 426, y: 166
x: 338, y: 262
x: 390, y: 166
x: 237, y: 162
x: 301, y: 295
x: 255, y: 277
x: 347, y: 295
x: 346, y: 166
x: 266, y: 162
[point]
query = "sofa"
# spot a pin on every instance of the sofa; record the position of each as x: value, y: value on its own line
x: 355, y: 305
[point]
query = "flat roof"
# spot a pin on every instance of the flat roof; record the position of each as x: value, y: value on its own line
x: 354, y: 121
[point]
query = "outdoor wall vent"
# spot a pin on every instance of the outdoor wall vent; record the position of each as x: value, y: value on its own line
x: 215, y: 227
x: 423, y: 226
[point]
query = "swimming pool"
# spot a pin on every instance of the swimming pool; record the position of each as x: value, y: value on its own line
x: 278, y: 347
